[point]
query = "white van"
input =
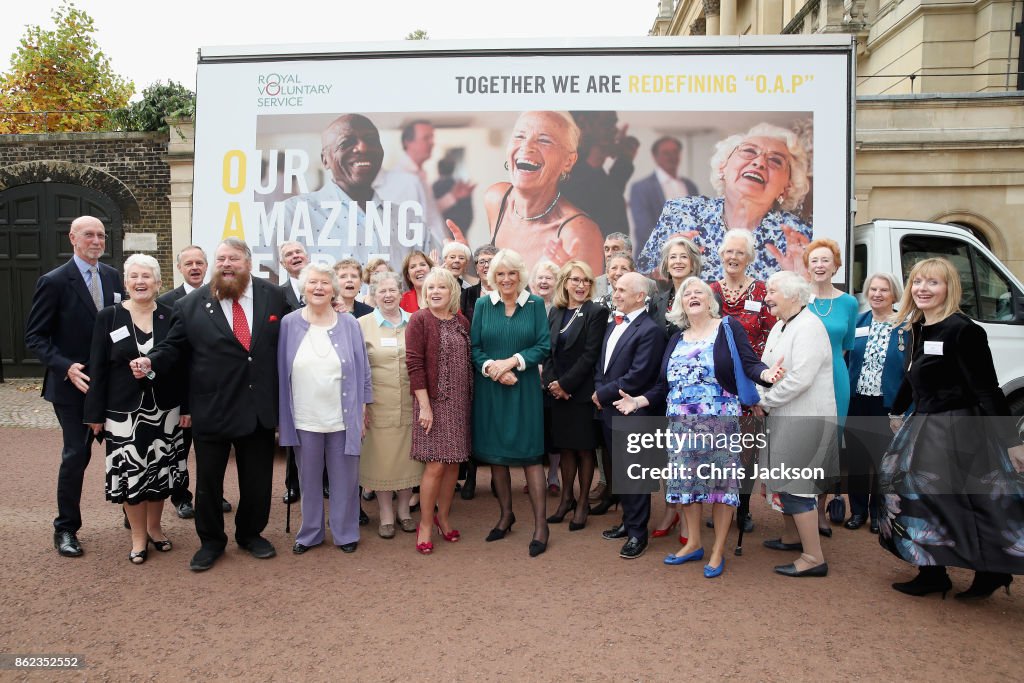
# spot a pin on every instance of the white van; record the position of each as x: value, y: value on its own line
x: 993, y: 297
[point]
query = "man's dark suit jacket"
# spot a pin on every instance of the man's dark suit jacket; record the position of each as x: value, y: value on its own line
x: 231, y: 391
x: 634, y: 365
x: 289, y: 296
x: 60, y: 323
x: 170, y: 298
x: 112, y: 386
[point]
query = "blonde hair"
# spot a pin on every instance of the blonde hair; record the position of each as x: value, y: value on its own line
x: 677, y: 314
x: 561, y: 296
x: 449, y: 280
x: 909, y: 313
x: 509, y: 259
x: 799, y: 170
x: 372, y: 265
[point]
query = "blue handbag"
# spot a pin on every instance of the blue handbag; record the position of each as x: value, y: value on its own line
x: 744, y: 385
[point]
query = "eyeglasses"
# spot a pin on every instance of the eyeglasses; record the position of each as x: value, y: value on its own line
x: 774, y: 160
x: 580, y: 281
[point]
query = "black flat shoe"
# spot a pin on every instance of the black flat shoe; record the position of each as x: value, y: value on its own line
x: 137, y: 557
x: 258, y: 547
x: 364, y: 518
x: 537, y: 548
x: 66, y: 543
x: 185, y: 510
x: 468, y: 489
x: 291, y: 496
x: 163, y: 546
x: 791, y: 570
x: 349, y: 547
x: 928, y: 580
x: 855, y: 522
x: 298, y: 548
x: 633, y: 549
x: 873, y: 527
x: 497, y: 534
x: 777, y: 544
x: 615, y: 533
x: 984, y: 585
x: 204, y: 559
x: 825, y: 531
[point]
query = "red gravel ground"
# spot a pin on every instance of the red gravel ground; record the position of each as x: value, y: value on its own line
x: 473, y: 610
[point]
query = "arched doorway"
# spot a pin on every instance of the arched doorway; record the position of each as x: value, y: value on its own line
x: 34, y: 222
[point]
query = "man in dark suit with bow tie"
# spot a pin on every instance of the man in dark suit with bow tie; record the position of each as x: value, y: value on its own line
x: 629, y: 362
x: 59, y: 332
x: 228, y: 332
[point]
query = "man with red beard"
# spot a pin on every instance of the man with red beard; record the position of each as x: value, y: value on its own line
x: 227, y: 333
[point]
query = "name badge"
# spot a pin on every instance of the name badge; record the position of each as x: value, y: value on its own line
x: 389, y: 341
x: 119, y: 334
x: 117, y: 297
x: 862, y: 331
x: 933, y: 348
x: 752, y: 306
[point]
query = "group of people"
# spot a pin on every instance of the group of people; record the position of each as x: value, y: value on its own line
x: 402, y: 378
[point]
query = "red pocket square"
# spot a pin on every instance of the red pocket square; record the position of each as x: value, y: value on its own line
x: 272, y: 319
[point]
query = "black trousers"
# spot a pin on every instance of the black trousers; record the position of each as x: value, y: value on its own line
x: 181, y: 494
x: 254, y: 459
x: 74, y: 458
x: 636, y: 507
x: 867, y: 436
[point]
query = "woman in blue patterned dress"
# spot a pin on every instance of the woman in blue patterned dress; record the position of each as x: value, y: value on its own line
x: 699, y: 384
x: 838, y: 311
x: 760, y: 177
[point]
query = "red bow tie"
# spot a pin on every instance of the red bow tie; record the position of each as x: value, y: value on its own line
x: 619, y: 318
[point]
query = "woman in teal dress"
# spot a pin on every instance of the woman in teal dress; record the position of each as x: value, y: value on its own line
x: 838, y: 311
x: 510, y: 338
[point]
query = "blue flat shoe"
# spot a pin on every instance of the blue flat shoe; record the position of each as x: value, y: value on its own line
x: 711, y: 572
x: 697, y: 554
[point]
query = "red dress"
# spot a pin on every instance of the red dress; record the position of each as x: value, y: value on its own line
x: 754, y: 317
x: 409, y: 302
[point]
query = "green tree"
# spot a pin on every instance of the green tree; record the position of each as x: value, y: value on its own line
x: 158, y: 102
x: 418, y: 34
x: 62, y: 71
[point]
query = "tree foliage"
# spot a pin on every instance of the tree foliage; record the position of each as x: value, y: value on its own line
x: 418, y: 34
x: 158, y: 101
x: 62, y: 71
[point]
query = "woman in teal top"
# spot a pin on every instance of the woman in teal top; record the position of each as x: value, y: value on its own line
x: 838, y: 311
x: 510, y: 338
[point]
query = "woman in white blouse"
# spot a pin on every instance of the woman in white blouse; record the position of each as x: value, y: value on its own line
x: 324, y: 386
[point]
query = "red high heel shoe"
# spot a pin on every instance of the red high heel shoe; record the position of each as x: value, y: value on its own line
x: 683, y: 539
x: 424, y: 548
x: 659, y: 533
x: 452, y: 536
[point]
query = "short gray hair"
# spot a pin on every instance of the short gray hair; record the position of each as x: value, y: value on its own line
x: 748, y: 240
x: 621, y: 237
x: 696, y: 261
x: 791, y: 285
x: 510, y: 259
x: 377, y: 278
x: 677, y: 314
x: 456, y: 246
x: 239, y: 244
x: 144, y: 260
x: 319, y: 269
x: 799, y: 184
x: 894, y: 284
x: 280, y: 248
x: 189, y: 248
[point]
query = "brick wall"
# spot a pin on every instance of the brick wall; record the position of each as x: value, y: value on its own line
x: 132, y: 168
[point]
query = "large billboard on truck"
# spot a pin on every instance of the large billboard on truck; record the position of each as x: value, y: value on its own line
x: 384, y: 149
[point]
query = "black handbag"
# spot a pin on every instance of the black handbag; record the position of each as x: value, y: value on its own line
x: 836, y: 508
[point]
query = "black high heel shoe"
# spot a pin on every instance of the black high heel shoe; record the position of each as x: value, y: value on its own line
x: 137, y: 557
x: 605, y: 505
x: 537, y: 547
x: 984, y: 585
x: 577, y: 526
x: 163, y: 546
x: 498, y: 534
x: 559, y: 517
x: 929, y: 580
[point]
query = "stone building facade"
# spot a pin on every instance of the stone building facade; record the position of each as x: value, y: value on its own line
x: 939, y: 115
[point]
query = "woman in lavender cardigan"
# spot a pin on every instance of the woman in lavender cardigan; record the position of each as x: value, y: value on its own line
x: 324, y: 388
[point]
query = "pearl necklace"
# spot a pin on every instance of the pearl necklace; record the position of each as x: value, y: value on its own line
x: 546, y: 211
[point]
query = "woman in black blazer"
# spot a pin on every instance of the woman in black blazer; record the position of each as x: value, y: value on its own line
x: 577, y: 330
x: 141, y: 419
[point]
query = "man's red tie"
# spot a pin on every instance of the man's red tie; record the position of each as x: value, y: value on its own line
x: 619, y: 318
x: 240, y: 325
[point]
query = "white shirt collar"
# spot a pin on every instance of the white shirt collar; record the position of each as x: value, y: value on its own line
x: 521, y: 300
x: 662, y: 176
x: 187, y: 287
